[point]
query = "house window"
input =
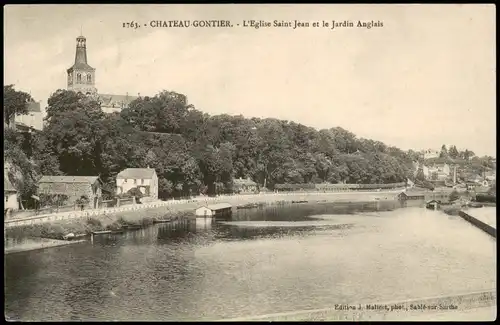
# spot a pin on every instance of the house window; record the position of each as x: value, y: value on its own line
x: 89, y: 78
x: 135, y: 181
x: 79, y: 77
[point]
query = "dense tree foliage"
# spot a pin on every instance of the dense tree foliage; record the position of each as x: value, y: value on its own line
x: 14, y: 103
x: 193, y: 152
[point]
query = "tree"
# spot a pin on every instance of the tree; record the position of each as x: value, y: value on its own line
x: 75, y: 130
x: 454, y: 195
x: 466, y: 154
x: 14, y: 103
x: 444, y: 152
x: 193, y: 152
x: 166, y: 112
x: 63, y: 102
x: 453, y: 152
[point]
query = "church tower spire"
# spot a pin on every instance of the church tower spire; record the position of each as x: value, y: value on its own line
x: 81, y: 50
x: 81, y: 76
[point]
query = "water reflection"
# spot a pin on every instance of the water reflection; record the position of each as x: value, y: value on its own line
x: 268, y: 260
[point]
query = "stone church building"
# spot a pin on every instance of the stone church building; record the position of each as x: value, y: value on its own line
x: 81, y: 78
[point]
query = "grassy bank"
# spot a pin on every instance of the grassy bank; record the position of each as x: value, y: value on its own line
x: 147, y: 216
x: 85, y: 226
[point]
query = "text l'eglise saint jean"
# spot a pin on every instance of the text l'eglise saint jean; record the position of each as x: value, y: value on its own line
x: 294, y: 24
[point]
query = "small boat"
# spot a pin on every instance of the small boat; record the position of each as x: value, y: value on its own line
x: 299, y: 201
x: 132, y: 227
x: 103, y: 232
x: 475, y: 205
x: 162, y: 220
x: 69, y: 236
x: 248, y: 206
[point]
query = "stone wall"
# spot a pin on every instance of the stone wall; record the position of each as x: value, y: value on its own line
x: 492, y: 231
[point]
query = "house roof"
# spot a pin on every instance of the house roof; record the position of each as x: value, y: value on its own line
x: 69, y: 179
x: 136, y: 173
x: 482, y: 189
x: 7, y: 185
x: 111, y: 100
x: 443, y: 190
x: 81, y: 66
x: 34, y: 107
x: 416, y: 193
x: 218, y: 206
x: 244, y: 182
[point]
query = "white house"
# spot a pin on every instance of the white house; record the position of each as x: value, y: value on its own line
x: 214, y: 210
x: 426, y: 171
x: 430, y: 153
x: 10, y: 195
x: 145, y: 179
x: 34, y: 118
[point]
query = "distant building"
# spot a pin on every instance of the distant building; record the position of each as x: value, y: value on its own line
x: 430, y: 153
x: 82, y: 77
x: 214, y: 210
x: 115, y: 103
x: 74, y: 187
x: 437, y: 172
x: 426, y: 172
x: 144, y: 179
x: 244, y: 186
x: 10, y: 194
x: 438, y: 195
x: 34, y: 118
x: 481, y: 190
x: 490, y: 175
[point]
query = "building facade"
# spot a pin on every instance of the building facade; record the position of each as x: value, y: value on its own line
x: 244, y: 186
x: 34, y: 118
x: 10, y: 194
x: 144, y: 179
x: 430, y: 153
x: 74, y: 187
x: 82, y: 78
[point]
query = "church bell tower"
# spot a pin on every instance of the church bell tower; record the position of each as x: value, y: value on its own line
x: 81, y: 76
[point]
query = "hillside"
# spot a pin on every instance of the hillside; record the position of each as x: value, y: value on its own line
x: 194, y: 152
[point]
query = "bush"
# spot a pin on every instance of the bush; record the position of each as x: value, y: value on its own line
x: 454, y: 195
x: 94, y: 222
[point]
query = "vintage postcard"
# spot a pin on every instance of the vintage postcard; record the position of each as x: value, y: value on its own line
x: 225, y: 162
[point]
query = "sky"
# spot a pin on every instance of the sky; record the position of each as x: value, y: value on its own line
x: 424, y: 79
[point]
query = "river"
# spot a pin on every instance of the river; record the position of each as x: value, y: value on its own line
x: 268, y: 260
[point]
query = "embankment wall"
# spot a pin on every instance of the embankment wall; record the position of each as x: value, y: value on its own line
x: 191, y: 204
x: 492, y: 231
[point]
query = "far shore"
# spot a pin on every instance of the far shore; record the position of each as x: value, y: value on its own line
x: 144, y: 217
x: 238, y: 200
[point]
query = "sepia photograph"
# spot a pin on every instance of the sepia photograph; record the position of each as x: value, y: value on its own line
x: 249, y: 162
